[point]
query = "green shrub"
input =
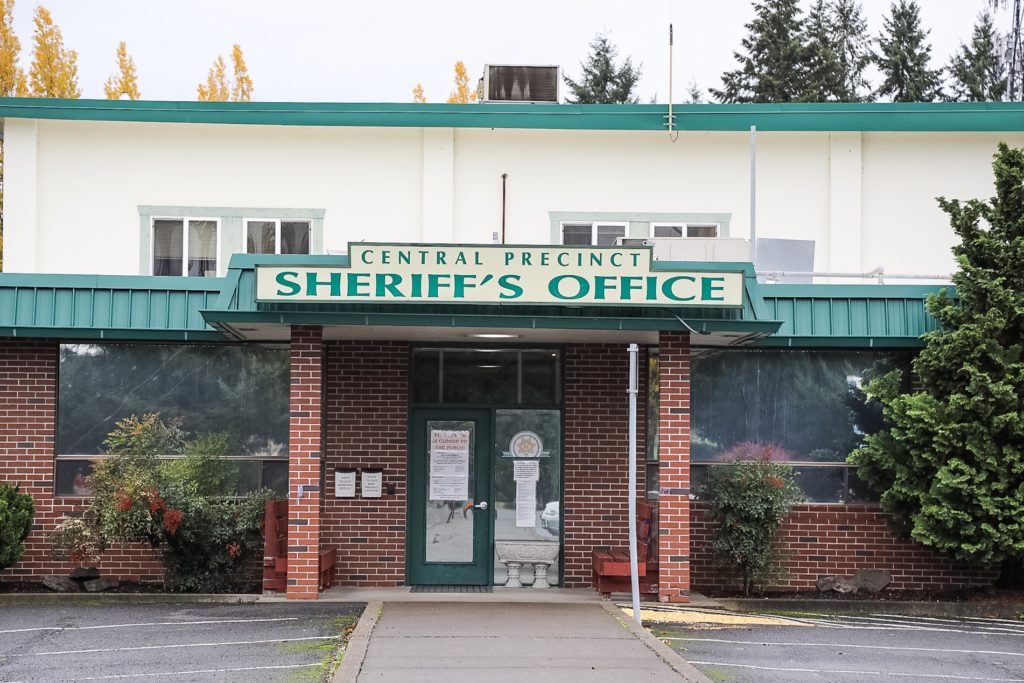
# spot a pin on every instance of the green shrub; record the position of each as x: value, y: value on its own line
x: 749, y: 499
x: 16, y: 510
x: 185, y: 507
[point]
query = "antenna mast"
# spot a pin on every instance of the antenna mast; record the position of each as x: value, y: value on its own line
x: 1014, y: 50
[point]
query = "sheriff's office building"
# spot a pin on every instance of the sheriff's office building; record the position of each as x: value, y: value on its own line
x: 401, y: 313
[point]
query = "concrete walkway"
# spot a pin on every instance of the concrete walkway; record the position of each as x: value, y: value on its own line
x: 494, y: 642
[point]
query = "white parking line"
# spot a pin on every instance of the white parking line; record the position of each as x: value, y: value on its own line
x: 165, y: 647
x: 149, y: 623
x: 888, y: 674
x: 847, y: 645
x: 984, y: 620
x: 188, y: 673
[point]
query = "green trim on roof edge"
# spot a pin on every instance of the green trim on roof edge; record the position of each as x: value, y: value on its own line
x: 916, y: 116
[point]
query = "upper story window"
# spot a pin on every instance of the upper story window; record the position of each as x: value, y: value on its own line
x: 185, y: 246
x: 684, y: 229
x: 596, y: 234
x: 273, y: 236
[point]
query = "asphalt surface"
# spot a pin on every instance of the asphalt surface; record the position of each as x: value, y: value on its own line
x: 194, y: 642
x: 853, y: 649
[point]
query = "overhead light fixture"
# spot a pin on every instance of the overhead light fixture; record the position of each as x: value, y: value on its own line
x: 493, y: 335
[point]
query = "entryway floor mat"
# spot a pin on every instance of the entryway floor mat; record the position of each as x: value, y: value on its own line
x: 451, y: 589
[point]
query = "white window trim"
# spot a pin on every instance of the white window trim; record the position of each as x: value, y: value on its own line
x: 685, y: 224
x: 184, y: 241
x: 277, y: 231
x: 593, y: 229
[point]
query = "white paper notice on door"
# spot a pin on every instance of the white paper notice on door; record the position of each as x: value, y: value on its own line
x: 525, y: 470
x: 449, y: 488
x: 526, y: 503
x: 449, y: 464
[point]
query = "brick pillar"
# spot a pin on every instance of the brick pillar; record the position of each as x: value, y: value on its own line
x: 305, y: 445
x: 674, y: 468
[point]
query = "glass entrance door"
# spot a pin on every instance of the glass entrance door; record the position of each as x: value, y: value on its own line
x: 450, y: 497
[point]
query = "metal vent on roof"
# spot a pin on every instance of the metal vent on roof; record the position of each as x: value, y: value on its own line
x: 505, y: 83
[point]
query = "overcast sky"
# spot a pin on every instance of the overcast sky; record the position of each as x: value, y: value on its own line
x: 337, y: 50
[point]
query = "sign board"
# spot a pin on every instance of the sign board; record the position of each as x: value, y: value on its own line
x: 498, y: 274
x: 449, y: 464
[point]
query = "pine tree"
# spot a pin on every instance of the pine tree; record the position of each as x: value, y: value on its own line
x: 951, y: 464
x: 772, y: 68
x: 241, y: 90
x: 126, y: 82
x: 216, y: 88
x: 417, y: 94
x: 602, y: 81
x: 694, y: 94
x: 54, y: 70
x: 904, y: 56
x: 836, y: 52
x: 462, y: 94
x: 978, y: 71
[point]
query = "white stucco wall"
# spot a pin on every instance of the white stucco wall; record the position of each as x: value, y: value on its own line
x: 73, y: 188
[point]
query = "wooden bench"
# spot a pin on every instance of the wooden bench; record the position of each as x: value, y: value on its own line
x: 275, y: 552
x: 611, y: 566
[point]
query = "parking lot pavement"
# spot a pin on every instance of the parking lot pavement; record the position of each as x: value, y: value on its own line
x: 172, y: 642
x: 852, y: 649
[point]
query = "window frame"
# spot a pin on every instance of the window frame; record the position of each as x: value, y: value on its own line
x: 594, y: 225
x: 654, y: 225
x: 185, y: 220
x: 277, y: 232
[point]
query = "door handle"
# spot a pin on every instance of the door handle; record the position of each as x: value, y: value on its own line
x: 482, y: 505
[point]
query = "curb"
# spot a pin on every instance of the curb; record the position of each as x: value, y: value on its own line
x: 687, y: 671
x: 993, y: 610
x: 358, y: 642
x: 15, y: 599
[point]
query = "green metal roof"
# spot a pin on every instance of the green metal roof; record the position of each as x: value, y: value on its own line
x: 107, y: 307
x: 172, y: 308
x: 915, y: 116
x: 845, y: 315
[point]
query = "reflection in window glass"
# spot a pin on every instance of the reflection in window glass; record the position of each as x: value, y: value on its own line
x: 449, y: 529
x: 821, y: 484
x: 294, y: 237
x: 577, y: 234
x: 426, y: 376
x: 260, y: 237
x: 547, y: 490
x: 202, y: 248
x: 480, y: 376
x: 797, y: 405
x: 239, y: 390
x: 540, y: 378
x: 168, y: 246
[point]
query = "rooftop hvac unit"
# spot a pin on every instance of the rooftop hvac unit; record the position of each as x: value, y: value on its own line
x: 507, y: 83
x: 693, y: 248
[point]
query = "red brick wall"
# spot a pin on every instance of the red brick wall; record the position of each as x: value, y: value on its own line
x: 674, y: 468
x: 28, y: 403
x: 838, y: 539
x: 367, y: 426
x: 595, y: 511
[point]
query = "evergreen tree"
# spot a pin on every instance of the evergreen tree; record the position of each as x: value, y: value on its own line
x: 126, y: 82
x: 978, y: 71
x: 951, y: 464
x: 602, y: 81
x: 54, y: 70
x: 772, y: 68
x: 904, y: 57
x: 836, y: 52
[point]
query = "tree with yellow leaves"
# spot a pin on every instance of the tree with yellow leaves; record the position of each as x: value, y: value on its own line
x: 417, y: 94
x: 12, y: 78
x: 462, y: 94
x: 126, y: 82
x: 54, y: 70
x: 217, y: 87
x: 242, y: 89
